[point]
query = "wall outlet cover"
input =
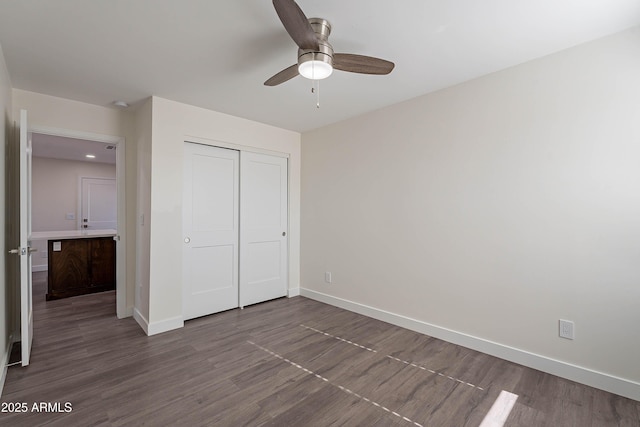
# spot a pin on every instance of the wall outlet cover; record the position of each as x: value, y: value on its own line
x: 567, y: 329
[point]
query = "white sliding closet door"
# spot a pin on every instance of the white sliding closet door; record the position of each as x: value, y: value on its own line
x: 263, y: 227
x: 210, y: 230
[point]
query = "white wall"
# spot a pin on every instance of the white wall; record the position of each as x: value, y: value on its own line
x: 52, y: 112
x: 6, y: 279
x: 489, y: 210
x: 143, y: 210
x: 172, y: 124
x: 54, y: 193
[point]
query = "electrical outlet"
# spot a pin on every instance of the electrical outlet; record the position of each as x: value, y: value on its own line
x: 327, y: 276
x: 566, y: 329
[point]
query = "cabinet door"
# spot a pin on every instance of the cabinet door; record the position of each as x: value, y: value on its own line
x: 68, y: 266
x: 102, y: 262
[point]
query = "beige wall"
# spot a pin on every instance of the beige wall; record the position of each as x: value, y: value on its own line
x: 143, y: 209
x: 492, y: 209
x: 6, y: 279
x: 172, y: 124
x: 52, y: 112
x: 54, y: 193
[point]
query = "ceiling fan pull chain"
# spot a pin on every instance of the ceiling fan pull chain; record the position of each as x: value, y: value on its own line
x: 316, y: 89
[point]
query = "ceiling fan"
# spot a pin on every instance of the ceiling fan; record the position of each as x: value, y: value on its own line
x: 316, y: 59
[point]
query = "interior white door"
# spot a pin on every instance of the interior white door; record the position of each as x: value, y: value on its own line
x: 210, y: 230
x: 24, y: 249
x: 98, y: 203
x: 263, y: 228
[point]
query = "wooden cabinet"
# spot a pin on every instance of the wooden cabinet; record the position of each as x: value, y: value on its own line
x: 81, y: 266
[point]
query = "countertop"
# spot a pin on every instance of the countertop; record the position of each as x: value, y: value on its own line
x: 72, y: 234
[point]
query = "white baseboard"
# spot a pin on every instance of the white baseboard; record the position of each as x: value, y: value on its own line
x: 5, y: 362
x: 38, y: 268
x: 142, y: 321
x: 293, y: 292
x: 157, y: 327
x: 128, y: 312
x: 165, y: 325
x: 620, y: 386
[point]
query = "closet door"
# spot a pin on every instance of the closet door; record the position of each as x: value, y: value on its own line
x: 263, y: 228
x: 210, y: 230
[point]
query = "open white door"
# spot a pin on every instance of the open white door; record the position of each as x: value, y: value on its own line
x: 263, y: 227
x: 24, y: 249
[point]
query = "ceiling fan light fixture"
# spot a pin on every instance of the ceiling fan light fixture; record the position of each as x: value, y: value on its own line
x: 315, y: 66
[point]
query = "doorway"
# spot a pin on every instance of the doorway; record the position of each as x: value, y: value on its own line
x: 103, y: 156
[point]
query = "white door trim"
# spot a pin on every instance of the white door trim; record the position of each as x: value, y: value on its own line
x: 233, y: 146
x: 124, y: 308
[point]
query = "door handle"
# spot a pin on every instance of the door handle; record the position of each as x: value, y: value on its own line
x: 187, y: 239
x: 32, y: 250
x: 14, y: 251
x: 284, y: 233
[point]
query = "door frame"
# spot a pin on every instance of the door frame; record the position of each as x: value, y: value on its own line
x: 121, y: 238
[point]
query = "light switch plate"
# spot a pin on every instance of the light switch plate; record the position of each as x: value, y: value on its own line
x: 57, y: 246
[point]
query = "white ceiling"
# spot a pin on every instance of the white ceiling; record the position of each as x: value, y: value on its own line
x: 58, y: 147
x: 216, y: 54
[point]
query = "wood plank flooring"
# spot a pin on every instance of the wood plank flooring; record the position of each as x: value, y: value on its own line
x: 288, y: 362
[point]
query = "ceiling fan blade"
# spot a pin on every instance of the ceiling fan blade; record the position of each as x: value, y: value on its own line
x: 361, y: 64
x: 284, y: 75
x: 296, y: 24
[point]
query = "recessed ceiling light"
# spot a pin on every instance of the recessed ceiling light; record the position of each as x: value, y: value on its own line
x: 120, y: 104
x: 90, y: 156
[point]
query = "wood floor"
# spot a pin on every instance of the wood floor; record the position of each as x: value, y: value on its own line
x: 288, y: 362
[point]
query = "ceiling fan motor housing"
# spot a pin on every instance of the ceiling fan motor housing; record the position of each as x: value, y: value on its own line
x: 322, y: 28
